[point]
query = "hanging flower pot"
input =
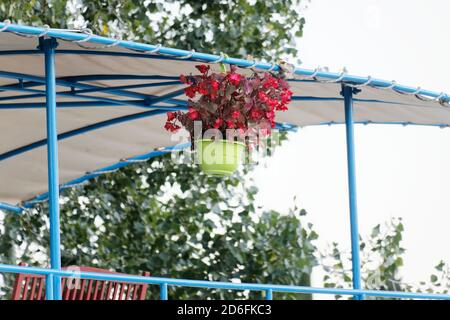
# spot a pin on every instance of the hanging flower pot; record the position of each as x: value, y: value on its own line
x: 231, y: 108
x: 219, y: 157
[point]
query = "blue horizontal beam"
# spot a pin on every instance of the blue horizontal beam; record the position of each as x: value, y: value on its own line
x: 59, y: 82
x: 82, y: 130
x: 101, y: 77
x: 216, y: 284
x: 69, y: 84
x: 280, y: 126
x: 110, y: 168
x: 73, y: 104
x: 133, y: 102
x: 82, y: 91
x: 119, y: 77
x: 72, y: 82
x: 120, y: 164
x: 41, y: 93
x: 311, y: 98
x: 93, y: 52
x: 10, y: 207
x: 149, y: 100
x: 286, y: 127
x: 367, y: 122
x: 142, y: 103
x: 177, y: 104
x: 106, y: 123
x: 177, y: 53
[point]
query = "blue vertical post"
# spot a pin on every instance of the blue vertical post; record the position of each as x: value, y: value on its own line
x: 49, y: 45
x: 163, y: 295
x: 347, y: 92
x: 269, y: 294
x: 49, y: 280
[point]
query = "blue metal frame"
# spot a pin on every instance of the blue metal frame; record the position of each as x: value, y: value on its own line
x: 73, y: 92
x: 347, y: 92
x: 91, y: 175
x: 123, y: 163
x: 85, y: 129
x: 171, y: 53
x: 113, y: 167
x: 36, y: 80
x: 82, y: 104
x: 10, y: 207
x: 164, y: 283
x: 163, y: 291
x: 49, y: 288
x: 77, y: 89
x: 48, y: 46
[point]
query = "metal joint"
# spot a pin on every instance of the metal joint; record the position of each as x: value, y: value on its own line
x: 355, y: 90
x: 47, y: 43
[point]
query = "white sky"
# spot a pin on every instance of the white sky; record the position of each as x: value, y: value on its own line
x: 401, y: 171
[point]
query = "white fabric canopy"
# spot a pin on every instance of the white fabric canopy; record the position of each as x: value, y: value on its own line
x: 23, y: 172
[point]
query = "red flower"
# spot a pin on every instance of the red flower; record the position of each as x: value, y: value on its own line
x: 215, y: 85
x: 270, y: 115
x: 193, y: 114
x: 271, y: 82
x: 231, y: 100
x: 234, y: 78
x: 202, y: 88
x: 190, y: 91
x: 262, y: 96
x: 281, y: 107
x: 235, y: 114
x: 218, y: 123
x: 171, y: 127
x: 271, y: 103
x: 255, y: 114
x: 286, y: 95
x: 171, y: 115
x: 202, y: 68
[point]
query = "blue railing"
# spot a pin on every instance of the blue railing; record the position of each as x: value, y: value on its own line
x: 165, y: 283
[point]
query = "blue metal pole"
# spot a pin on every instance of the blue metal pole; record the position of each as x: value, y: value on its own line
x: 49, y: 45
x: 269, y: 294
x: 49, y: 292
x: 163, y: 291
x: 347, y: 92
x: 10, y: 207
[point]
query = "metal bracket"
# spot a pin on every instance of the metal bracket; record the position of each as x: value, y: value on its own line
x: 354, y: 90
x: 44, y: 43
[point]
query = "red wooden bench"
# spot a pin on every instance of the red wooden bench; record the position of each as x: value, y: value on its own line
x: 32, y: 287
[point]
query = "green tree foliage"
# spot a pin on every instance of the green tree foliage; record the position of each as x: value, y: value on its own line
x: 381, y: 258
x: 171, y: 219
x: 175, y: 221
x: 381, y: 261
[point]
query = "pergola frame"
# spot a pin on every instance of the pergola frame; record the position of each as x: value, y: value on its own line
x: 48, y: 41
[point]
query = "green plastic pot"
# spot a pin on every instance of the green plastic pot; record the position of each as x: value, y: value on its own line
x: 221, y: 157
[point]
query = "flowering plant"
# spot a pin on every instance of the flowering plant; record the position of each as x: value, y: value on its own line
x: 229, y: 100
